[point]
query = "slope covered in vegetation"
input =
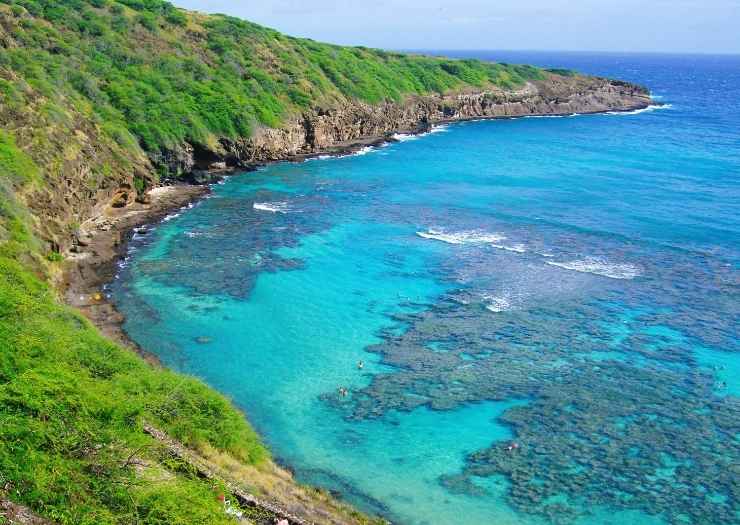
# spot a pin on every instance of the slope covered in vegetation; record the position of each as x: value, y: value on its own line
x: 73, y: 404
x: 157, y: 76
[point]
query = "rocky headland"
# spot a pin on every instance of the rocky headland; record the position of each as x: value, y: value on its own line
x: 353, y: 123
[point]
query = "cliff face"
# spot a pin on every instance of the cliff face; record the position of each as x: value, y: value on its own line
x: 338, y: 127
x: 109, y: 97
x: 84, y: 190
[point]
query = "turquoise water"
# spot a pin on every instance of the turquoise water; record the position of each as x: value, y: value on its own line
x: 566, y: 284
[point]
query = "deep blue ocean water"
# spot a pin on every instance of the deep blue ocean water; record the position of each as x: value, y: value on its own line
x: 546, y: 309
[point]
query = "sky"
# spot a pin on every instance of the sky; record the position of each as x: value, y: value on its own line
x: 695, y: 26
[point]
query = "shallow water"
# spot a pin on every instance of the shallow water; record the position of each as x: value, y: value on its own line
x: 566, y: 284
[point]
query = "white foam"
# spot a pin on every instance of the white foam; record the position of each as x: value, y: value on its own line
x: 497, y: 304
x: 319, y: 157
x: 516, y: 248
x: 272, y: 207
x: 170, y: 217
x: 462, y: 237
x: 442, y: 128
x: 544, y: 116
x: 652, y: 107
x: 600, y: 267
x: 362, y: 151
x: 404, y: 137
x: 359, y: 153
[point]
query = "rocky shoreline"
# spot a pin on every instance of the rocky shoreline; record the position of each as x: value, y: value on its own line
x: 344, y: 124
x: 101, y: 242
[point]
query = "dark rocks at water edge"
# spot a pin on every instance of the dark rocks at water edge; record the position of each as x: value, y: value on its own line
x: 353, y: 122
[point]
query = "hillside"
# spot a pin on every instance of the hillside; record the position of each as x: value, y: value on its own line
x: 99, y: 101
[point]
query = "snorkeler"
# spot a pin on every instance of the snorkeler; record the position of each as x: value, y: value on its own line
x: 360, y: 365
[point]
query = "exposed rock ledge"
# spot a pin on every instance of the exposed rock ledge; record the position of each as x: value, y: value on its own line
x: 338, y: 127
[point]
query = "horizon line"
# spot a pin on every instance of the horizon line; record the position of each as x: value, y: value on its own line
x: 573, y: 51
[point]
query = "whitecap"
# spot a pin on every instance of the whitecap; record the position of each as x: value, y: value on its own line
x: 652, y: 107
x: 600, y: 267
x: 362, y: 151
x: 358, y: 153
x: 442, y: 128
x: 170, y: 217
x: 462, y: 237
x: 272, y: 207
x: 404, y: 137
x: 543, y: 116
x: 497, y: 304
x: 516, y: 248
x: 318, y: 157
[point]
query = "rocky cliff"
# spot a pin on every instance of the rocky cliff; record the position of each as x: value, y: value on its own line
x: 350, y: 122
x: 84, y: 191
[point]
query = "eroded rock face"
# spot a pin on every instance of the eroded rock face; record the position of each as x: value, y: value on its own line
x: 340, y: 126
x: 95, y: 178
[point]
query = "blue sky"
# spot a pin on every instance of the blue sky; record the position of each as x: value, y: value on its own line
x: 702, y: 26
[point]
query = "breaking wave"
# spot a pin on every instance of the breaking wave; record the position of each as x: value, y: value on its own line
x: 462, y: 237
x: 272, y: 207
x: 497, y: 304
x: 403, y: 137
x: 472, y: 237
x: 600, y: 267
x: 652, y: 107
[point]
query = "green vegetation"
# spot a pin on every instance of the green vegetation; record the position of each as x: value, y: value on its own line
x: 72, y: 404
x: 88, y: 88
x: 562, y: 72
x: 164, y: 76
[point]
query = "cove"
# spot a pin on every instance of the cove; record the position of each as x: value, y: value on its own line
x: 562, y: 283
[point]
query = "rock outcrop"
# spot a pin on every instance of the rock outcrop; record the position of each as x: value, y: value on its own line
x: 97, y: 176
x: 324, y: 130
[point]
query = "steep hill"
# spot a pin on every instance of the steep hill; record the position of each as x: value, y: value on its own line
x: 99, y: 101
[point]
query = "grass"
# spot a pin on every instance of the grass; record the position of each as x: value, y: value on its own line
x: 163, y: 76
x: 72, y: 403
x: 72, y: 406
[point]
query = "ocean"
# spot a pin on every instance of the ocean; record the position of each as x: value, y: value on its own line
x: 522, y: 321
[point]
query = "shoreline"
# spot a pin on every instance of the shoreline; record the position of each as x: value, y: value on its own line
x: 103, y: 240
x: 102, y: 244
